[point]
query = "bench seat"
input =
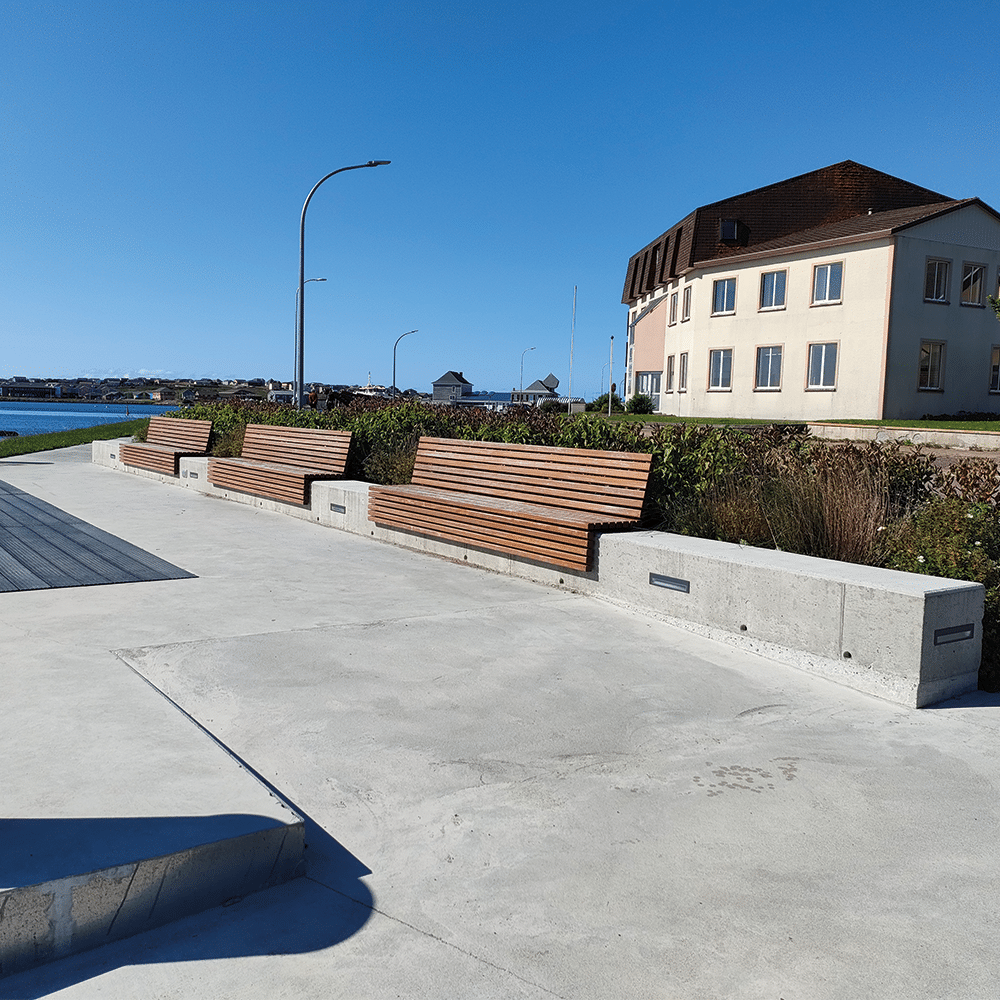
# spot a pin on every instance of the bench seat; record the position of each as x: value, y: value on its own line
x: 167, y: 441
x: 280, y: 463
x: 538, y: 503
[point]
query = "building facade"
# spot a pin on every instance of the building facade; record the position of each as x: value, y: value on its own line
x: 844, y: 293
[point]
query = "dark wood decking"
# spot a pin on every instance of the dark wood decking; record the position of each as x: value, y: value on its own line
x: 42, y: 546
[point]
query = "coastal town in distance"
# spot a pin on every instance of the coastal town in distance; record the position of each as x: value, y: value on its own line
x: 451, y: 388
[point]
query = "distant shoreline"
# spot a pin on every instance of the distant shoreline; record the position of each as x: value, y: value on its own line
x: 87, y: 402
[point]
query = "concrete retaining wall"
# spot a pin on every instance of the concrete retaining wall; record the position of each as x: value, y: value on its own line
x: 929, y: 437
x: 911, y: 639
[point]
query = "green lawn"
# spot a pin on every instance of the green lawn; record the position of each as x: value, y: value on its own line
x: 66, y: 439
x: 957, y: 425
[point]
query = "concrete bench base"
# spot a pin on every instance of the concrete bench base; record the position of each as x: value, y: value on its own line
x: 913, y: 640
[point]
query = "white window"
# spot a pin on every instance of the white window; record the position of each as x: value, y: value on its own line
x: 670, y: 373
x: 973, y: 283
x: 682, y: 374
x: 995, y: 369
x: 822, y: 366
x: 724, y: 297
x: 720, y: 369
x: 936, y: 281
x: 772, y: 290
x: 827, y: 279
x: 686, y: 304
x: 931, y: 365
x: 768, y: 368
x: 648, y: 384
x: 673, y: 309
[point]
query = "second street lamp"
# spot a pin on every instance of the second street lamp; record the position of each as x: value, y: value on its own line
x: 525, y: 351
x: 300, y: 332
x: 394, y: 346
x: 296, y: 330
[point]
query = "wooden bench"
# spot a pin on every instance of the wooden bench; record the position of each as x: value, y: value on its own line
x: 167, y: 439
x: 280, y: 462
x: 544, y: 504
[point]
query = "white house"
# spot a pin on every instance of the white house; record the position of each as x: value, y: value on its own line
x: 841, y: 293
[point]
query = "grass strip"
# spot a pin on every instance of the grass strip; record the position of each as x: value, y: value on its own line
x: 31, y: 443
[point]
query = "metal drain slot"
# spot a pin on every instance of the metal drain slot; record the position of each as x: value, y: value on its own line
x: 338, y: 508
x: 670, y: 583
x: 957, y: 633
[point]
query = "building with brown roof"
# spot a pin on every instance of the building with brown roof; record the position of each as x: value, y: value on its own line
x: 841, y: 293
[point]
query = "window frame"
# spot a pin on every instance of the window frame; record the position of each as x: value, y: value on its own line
x: 682, y: 372
x: 774, y: 307
x: 686, y: 304
x: 757, y: 387
x: 648, y: 384
x: 940, y: 345
x: 934, y: 261
x: 728, y: 291
x: 967, y: 267
x: 669, y: 372
x: 827, y: 301
x: 995, y: 368
x: 672, y: 321
x: 722, y: 352
x: 825, y: 344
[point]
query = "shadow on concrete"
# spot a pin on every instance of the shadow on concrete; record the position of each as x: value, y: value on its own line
x: 974, y: 699
x: 8, y: 461
x: 42, y: 850
x: 326, y: 906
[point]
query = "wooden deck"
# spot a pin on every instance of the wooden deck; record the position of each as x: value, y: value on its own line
x: 42, y: 546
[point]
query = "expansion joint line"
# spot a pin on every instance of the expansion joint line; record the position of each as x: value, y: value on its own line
x: 440, y: 940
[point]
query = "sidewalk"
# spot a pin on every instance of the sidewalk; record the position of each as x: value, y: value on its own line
x: 510, y: 791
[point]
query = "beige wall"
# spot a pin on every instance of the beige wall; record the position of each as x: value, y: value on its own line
x: 857, y: 325
x: 968, y: 333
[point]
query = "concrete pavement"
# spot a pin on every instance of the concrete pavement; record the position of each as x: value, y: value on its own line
x: 510, y: 790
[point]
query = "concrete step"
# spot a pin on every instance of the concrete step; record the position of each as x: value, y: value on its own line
x: 133, y: 815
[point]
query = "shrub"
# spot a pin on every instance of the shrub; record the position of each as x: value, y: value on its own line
x: 961, y: 541
x: 640, y: 403
x: 600, y: 405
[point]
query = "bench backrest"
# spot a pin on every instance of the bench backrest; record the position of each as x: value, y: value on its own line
x: 601, y: 482
x: 308, y: 447
x: 176, y: 432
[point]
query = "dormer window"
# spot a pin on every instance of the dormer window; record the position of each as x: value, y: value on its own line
x: 733, y: 232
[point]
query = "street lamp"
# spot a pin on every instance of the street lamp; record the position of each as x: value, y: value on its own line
x: 306, y: 282
x: 300, y: 331
x: 525, y: 351
x: 394, y: 346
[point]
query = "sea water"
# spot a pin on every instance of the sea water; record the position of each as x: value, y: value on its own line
x: 46, y: 417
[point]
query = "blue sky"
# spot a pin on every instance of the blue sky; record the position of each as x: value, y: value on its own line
x: 155, y: 158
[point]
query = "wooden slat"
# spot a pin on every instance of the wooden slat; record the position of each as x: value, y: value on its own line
x: 177, y: 432
x: 155, y: 458
x: 611, y: 483
x: 166, y: 441
x: 536, y: 502
x: 280, y: 463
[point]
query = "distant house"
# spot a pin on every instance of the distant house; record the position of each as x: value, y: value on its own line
x: 451, y: 387
x: 280, y: 396
x: 841, y: 293
x: 537, y: 392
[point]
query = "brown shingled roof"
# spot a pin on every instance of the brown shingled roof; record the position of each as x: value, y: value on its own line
x: 862, y: 227
x: 843, y: 192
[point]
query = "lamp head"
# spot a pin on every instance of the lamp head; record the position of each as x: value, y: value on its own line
x: 378, y: 163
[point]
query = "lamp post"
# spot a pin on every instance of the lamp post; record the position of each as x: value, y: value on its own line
x: 611, y: 374
x: 296, y: 330
x: 525, y: 351
x: 394, y: 346
x: 300, y: 330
